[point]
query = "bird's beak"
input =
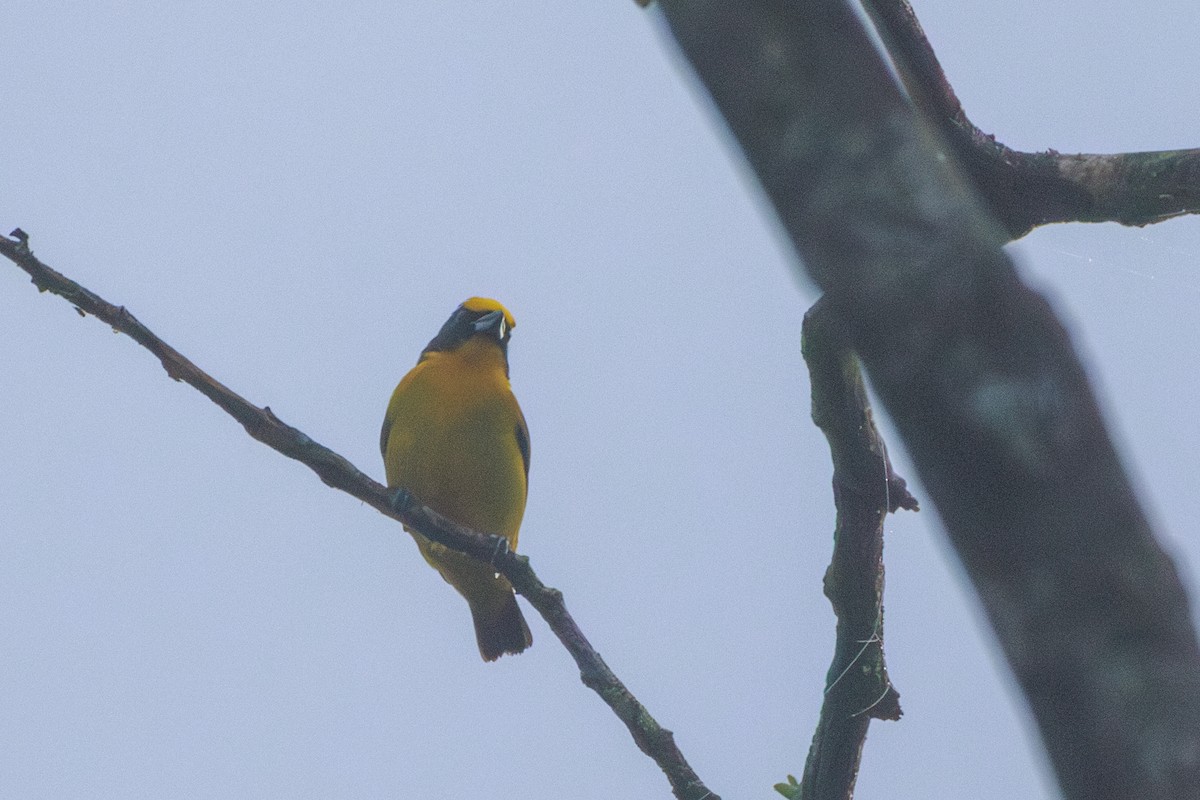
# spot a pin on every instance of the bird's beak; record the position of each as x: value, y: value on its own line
x: 492, y: 322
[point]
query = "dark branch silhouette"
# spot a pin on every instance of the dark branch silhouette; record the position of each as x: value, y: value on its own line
x: 652, y: 739
x: 865, y: 490
x: 1025, y: 190
x: 979, y: 375
x: 982, y: 382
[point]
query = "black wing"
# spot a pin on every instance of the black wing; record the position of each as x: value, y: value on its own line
x: 522, y: 432
x: 387, y: 429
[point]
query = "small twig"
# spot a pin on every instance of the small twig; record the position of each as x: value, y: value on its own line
x: 1026, y: 190
x: 865, y: 489
x: 334, y: 470
x: 888, y: 690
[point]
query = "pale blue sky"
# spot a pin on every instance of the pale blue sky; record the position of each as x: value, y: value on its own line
x: 296, y: 195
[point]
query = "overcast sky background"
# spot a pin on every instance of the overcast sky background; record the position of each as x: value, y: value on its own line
x: 296, y: 195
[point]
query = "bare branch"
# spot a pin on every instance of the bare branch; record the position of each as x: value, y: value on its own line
x: 1026, y: 190
x: 652, y: 739
x: 982, y: 382
x: 865, y: 489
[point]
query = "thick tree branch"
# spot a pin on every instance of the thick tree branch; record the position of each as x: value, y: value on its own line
x: 982, y: 382
x: 865, y: 490
x: 652, y: 739
x: 1025, y: 190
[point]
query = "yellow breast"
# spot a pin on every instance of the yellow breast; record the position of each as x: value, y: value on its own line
x: 454, y: 439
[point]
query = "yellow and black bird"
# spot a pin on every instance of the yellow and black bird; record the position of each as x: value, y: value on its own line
x: 455, y: 438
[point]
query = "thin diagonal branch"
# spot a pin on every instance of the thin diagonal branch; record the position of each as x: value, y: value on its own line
x: 1026, y: 190
x: 865, y: 490
x: 261, y: 423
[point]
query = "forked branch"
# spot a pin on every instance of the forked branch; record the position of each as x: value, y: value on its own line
x: 1026, y: 190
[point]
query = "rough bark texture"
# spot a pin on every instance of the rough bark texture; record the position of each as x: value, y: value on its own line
x: 982, y: 382
x: 865, y: 490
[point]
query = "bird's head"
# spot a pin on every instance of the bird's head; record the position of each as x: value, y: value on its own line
x: 478, y: 316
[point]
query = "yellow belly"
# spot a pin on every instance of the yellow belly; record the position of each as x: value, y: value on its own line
x: 453, y: 442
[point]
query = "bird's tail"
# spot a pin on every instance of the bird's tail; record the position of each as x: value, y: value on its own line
x: 500, y: 628
x: 499, y: 625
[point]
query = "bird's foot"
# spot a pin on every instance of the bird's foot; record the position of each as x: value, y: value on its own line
x: 501, y: 547
x: 402, y: 500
